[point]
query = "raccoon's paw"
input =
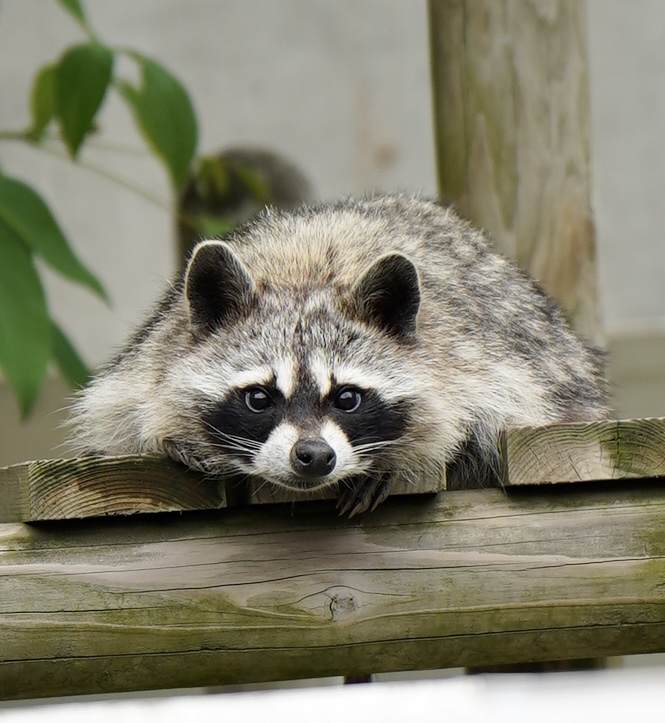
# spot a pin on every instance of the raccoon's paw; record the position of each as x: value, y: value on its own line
x: 363, y: 494
x: 180, y: 453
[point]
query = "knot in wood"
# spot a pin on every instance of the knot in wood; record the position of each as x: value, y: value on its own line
x: 343, y: 603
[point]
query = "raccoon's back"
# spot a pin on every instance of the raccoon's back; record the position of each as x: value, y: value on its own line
x: 330, y: 244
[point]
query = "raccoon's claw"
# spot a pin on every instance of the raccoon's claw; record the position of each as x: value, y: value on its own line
x: 363, y: 495
x: 179, y: 453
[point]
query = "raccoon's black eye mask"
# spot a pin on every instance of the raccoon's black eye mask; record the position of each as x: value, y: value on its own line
x: 254, y: 411
x: 260, y: 399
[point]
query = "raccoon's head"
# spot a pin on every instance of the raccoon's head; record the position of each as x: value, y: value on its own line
x: 304, y: 387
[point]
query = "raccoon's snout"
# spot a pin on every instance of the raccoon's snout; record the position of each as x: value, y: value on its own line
x: 312, y: 457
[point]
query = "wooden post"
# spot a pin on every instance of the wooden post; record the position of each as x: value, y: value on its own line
x: 511, y: 107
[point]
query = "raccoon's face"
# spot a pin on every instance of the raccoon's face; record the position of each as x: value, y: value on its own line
x: 308, y: 389
x: 301, y: 432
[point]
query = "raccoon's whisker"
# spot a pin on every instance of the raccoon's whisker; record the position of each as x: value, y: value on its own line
x: 241, y: 479
x: 365, y: 450
x: 264, y: 483
x: 233, y: 445
x: 240, y: 451
x: 370, y: 447
x: 349, y: 482
x: 244, y: 442
x: 235, y: 478
x: 238, y: 445
x: 377, y: 443
x: 247, y: 443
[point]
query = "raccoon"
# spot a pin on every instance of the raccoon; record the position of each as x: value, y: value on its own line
x: 344, y: 345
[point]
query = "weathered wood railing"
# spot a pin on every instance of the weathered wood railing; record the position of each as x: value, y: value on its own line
x: 269, y: 592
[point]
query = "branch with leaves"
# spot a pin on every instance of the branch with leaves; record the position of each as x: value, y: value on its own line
x: 68, y: 94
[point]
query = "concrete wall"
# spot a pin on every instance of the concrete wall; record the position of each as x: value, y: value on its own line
x: 342, y: 89
x: 627, y: 59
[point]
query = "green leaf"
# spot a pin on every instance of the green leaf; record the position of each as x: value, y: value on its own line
x: 30, y: 219
x: 212, y: 226
x: 25, y: 332
x: 165, y: 115
x: 75, y: 8
x: 70, y: 364
x: 212, y: 178
x: 82, y: 77
x: 254, y: 183
x: 42, y: 101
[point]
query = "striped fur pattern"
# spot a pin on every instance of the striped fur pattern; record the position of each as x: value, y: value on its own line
x: 347, y: 345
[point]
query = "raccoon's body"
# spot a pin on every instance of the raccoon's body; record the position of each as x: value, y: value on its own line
x: 347, y: 344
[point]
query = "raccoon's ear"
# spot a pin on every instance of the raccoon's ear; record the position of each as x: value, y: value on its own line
x: 387, y: 295
x: 218, y: 287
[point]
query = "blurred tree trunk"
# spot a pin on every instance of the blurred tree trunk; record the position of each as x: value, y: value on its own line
x: 511, y: 108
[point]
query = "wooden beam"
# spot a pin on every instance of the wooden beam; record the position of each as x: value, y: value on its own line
x: 63, y: 489
x: 584, y: 452
x: 100, y: 486
x: 262, y: 593
x: 512, y: 127
x: 97, y: 486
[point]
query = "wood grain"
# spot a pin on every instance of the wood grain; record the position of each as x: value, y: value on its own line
x: 584, y: 452
x: 272, y: 592
x: 262, y: 493
x: 98, y: 486
x: 512, y: 126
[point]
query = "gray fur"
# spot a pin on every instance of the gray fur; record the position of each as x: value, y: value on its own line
x: 481, y: 348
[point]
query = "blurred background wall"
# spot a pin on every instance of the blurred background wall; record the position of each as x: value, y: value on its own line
x: 342, y: 90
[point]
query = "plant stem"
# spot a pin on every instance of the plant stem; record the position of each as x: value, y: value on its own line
x: 105, y: 173
x: 14, y: 136
x: 117, y: 148
x: 7, y: 135
x: 93, y: 167
x: 187, y: 219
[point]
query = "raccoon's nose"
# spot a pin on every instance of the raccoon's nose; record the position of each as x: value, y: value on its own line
x: 313, y: 457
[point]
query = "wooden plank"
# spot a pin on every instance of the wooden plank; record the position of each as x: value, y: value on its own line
x: 98, y: 486
x: 261, y: 493
x: 467, y: 578
x: 584, y: 452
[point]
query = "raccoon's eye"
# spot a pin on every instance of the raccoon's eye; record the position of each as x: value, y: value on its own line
x: 348, y: 399
x: 257, y: 399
